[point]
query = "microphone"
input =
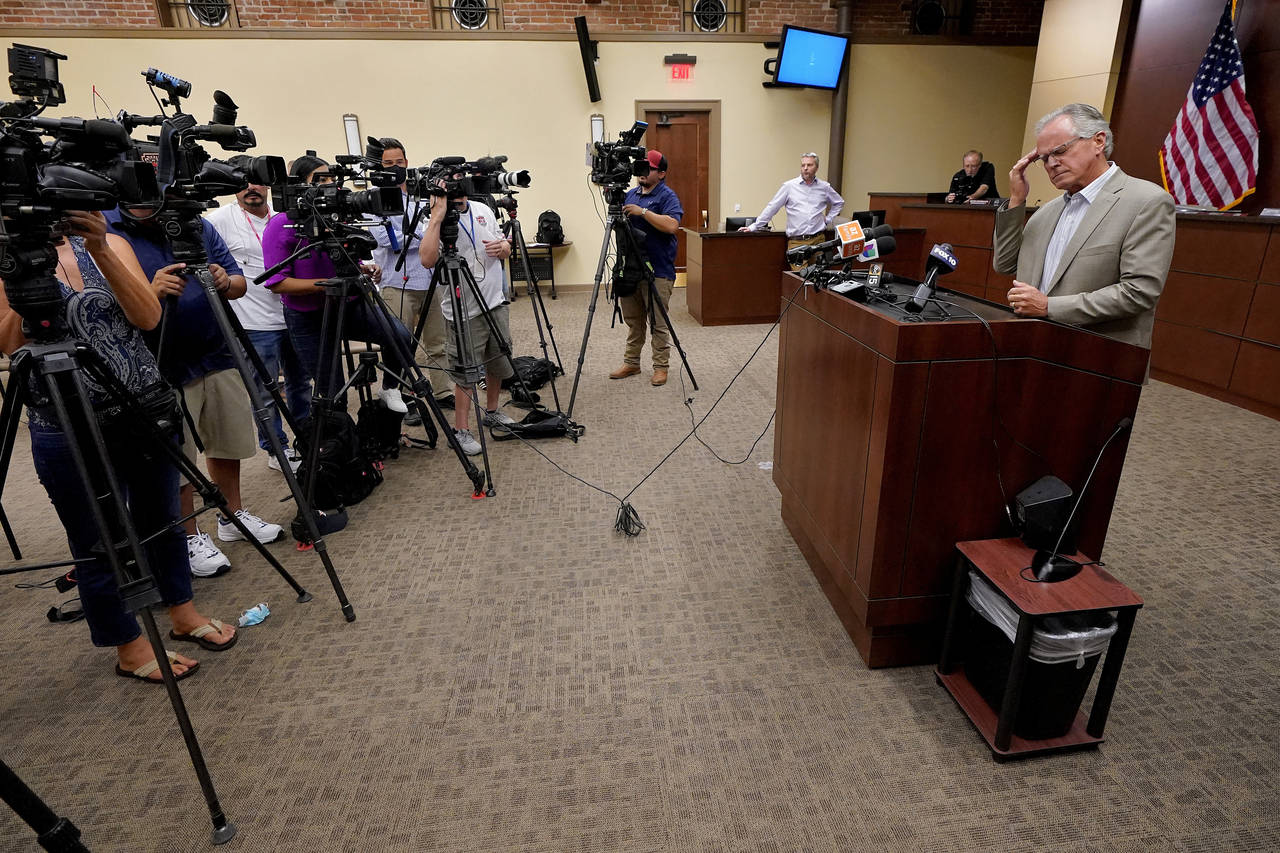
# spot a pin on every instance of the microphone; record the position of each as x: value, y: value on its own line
x: 939, y: 262
x: 1052, y: 567
x: 877, y: 248
x: 850, y: 240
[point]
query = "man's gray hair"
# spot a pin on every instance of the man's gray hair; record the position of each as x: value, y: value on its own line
x: 1086, y: 121
x: 816, y: 161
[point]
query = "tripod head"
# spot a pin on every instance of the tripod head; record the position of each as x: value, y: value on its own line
x: 30, y: 284
x: 614, y: 195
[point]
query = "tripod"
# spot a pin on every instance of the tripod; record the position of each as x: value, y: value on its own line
x: 516, y: 235
x: 618, y: 229
x: 455, y: 273
x: 53, y: 833
x: 181, y: 220
x: 339, y: 242
x: 57, y: 367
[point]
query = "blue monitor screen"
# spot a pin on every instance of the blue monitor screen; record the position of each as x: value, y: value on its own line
x: 811, y: 58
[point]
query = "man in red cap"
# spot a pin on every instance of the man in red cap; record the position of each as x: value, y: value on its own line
x: 652, y: 208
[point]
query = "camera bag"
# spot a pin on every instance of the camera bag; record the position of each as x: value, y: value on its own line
x: 379, y: 430
x: 343, y: 474
x: 550, y: 231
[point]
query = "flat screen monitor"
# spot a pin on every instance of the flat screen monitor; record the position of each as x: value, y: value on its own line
x: 811, y: 58
x: 733, y: 223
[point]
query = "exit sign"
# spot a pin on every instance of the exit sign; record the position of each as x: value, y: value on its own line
x: 682, y: 72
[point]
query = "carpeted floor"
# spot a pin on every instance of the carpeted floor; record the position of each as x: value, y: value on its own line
x: 522, y: 678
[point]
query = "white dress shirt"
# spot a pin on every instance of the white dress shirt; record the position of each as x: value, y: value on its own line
x: 1075, y: 206
x: 811, y: 208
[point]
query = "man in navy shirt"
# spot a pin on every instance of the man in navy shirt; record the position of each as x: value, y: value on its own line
x: 196, y: 359
x: 653, y: 208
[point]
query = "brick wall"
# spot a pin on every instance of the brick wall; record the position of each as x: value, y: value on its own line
x: 1015, y: 20
x: 79, y: 13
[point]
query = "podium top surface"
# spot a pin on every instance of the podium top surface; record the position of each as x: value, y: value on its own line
x: 736, y: 234
x: 976, y: 329
x: 1006, y: 562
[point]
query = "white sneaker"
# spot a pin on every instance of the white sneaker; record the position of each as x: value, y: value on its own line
x: 393, y: 400
x: 295, y: 460
x: 263, y: 531
x: 468, y: 441
x: 205, y: 558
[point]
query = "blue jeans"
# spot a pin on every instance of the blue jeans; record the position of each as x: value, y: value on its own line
x: 276, y: 350
x: 151, y: 491
x: 315, y: 353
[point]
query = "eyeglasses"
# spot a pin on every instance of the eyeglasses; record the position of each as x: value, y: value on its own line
x: 1061, y: 150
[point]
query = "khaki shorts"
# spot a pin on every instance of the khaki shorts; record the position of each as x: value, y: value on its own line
x: 220, y: 407
x: 486, y: 360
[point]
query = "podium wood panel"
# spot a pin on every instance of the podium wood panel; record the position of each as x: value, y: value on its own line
x: 732, y: 278
x: 883, y: 456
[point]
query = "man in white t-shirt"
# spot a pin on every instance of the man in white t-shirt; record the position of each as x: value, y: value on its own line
x: 482, y: 247
x: 260, y: 312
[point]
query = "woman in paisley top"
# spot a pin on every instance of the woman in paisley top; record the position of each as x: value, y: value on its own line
x: 107, y: 302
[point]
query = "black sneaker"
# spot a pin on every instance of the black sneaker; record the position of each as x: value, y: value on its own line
x: 414, y: 418
x: 445, y: 402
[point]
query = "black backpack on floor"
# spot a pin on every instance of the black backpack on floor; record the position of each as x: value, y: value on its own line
x: 379, y: 430
x: 550, y: 230
x: 343, y: 474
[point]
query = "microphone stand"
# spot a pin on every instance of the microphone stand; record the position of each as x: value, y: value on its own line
x: 1050, y: 567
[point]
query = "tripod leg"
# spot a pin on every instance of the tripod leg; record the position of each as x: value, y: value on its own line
x: 380, y: 314
x: 53, y: 832
x: 675, y: 340
x: 591, y: 312
x: 10, y: 415
x: 135, y: 577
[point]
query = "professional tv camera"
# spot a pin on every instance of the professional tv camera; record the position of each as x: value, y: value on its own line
x: 334, y: 199
x: 614, y: 164
x: 190, y: 179
x: 90, y: 164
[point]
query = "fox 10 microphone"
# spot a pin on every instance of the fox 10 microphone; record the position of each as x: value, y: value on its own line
x: 940, y: 262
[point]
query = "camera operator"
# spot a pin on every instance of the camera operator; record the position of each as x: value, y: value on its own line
x: 299, y: 284
x: 260, y: 311
x: 196, y: 359
x: 107, y: 302
x: 481, y: 244
x: 405, y: 290
x: 654, y: 208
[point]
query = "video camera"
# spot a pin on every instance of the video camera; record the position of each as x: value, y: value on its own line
x: 90, y: 164
x: 614, y: 164
x: 455, y: 177
x: 333, y: 199
x: 185, y: 171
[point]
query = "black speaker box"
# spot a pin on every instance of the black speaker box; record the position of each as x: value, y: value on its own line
x: 1041, y: 510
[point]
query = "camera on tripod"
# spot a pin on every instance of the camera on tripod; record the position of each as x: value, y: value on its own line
x: 90, y: 164
x: 455, y: 177
x: 335, y: 200
x: 614, y: 164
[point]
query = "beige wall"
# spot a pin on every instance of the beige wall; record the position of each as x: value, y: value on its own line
x: 1078, y: 60
x: 913, y: 111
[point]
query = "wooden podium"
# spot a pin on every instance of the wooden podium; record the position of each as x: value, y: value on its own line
x: 883, y: 446
x: 733, y: 276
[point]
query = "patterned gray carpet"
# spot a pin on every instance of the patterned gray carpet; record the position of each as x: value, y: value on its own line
x: 523, y: 678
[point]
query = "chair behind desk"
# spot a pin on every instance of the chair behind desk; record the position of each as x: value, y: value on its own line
x: 733, y: 223
x: 868, y: 218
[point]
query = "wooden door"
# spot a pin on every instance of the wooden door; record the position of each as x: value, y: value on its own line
x: 684, y: 138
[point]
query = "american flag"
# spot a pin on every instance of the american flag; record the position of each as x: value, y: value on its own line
x: 1210, y: 157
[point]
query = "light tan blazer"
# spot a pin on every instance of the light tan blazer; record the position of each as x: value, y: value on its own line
x: 1112, y: 271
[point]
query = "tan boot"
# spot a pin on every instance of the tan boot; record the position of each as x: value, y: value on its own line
x: 659, y: 376
x: 625, y: 371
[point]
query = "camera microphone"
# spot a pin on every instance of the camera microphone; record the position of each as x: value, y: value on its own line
x: 449, y: 161
x: 940, y: 262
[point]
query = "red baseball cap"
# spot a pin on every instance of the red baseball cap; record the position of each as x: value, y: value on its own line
x: 656, y: 161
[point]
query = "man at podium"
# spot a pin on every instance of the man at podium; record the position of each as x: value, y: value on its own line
x: 811, y: 203
x: 1097, y: 256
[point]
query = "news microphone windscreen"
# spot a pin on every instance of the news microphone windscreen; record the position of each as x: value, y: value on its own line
x: 886, y: 245
x: 877, y: 232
